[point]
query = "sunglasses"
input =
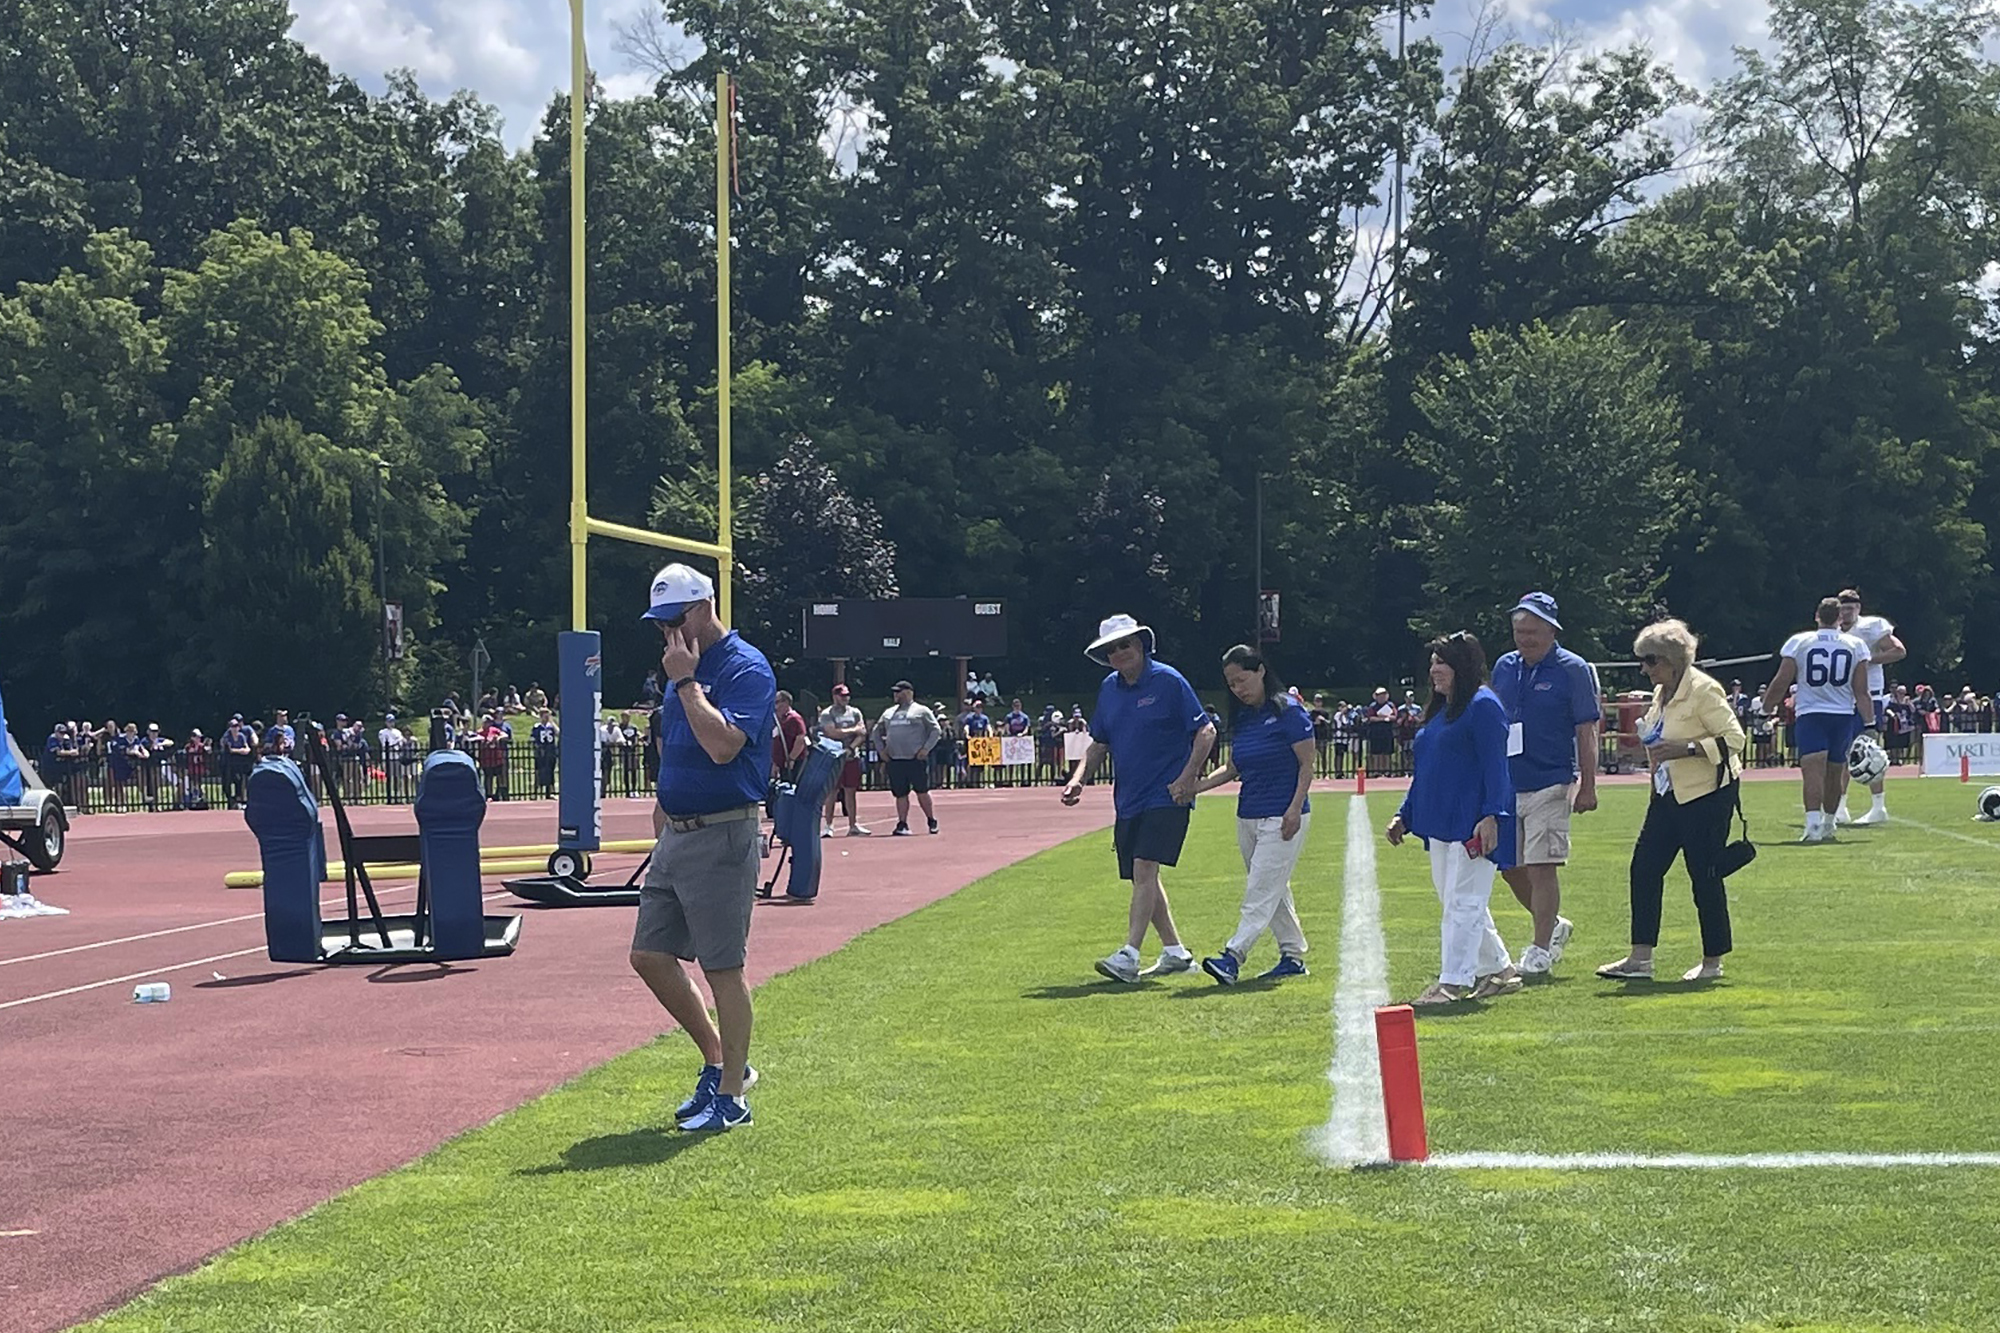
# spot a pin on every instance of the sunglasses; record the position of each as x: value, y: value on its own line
x: 1121, y: 645
x: 675, y: 623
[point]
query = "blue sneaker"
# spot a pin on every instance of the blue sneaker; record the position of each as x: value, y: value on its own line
x: 1223, y: 967
x: 722, y: 1112
x: 706, y: 1087
x: 1288, y: 966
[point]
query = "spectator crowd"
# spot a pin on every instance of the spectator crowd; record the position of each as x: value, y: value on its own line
x: 515, y: 739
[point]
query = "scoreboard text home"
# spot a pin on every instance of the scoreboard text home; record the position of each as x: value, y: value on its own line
x: 906, y: 627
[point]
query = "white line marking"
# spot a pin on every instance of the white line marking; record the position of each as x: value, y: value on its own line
x: 1695, y: 1161
x: 130, y: 976
x: 1989, y: 843
x: 1357, y: 1130
x: 171, y: 967
x: 335, y: 900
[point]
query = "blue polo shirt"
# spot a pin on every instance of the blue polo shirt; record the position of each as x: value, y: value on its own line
x: 1260, y: 745
x: 738, y: 681
x: 1550, y: 700
x: 1459, y: 777
x: 1150, y: 727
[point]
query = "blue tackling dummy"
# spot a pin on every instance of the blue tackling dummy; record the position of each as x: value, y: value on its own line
x: 795, y: 808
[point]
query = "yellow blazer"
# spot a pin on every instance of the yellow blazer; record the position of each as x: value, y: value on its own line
x: 1700, y: 712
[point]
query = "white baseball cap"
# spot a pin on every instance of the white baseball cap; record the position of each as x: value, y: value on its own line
x: 676, y: 588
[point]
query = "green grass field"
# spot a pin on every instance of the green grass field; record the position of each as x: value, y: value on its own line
x: 961, y: 1128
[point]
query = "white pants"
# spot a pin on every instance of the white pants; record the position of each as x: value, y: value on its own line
x: 1472, y: 947
x: 1267, y: 893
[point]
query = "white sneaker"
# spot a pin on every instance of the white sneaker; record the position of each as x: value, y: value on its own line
x: 1535, y: 961
x: 826, y: 830
x: 1559, y: 938
x: 1877, y: 815
x: 1841, y: 816
x: 857, y: 831
x: 1120, y: 966
x: 1169, y: 963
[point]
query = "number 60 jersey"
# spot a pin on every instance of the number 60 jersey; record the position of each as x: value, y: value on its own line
x: 1827, y: 661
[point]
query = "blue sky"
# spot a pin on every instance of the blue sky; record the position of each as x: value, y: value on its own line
x: 515, y: 53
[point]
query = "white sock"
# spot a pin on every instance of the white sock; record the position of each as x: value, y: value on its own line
x: 1812, y: 821
x: 1881, y: 802
x: 1177, y: 950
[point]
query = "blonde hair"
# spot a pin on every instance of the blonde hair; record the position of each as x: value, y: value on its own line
x: 1669, y: 639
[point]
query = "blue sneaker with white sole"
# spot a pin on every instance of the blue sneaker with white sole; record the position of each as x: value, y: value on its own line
x: 707, y: 1086
x: 1288, y: 966
x: 722, y: 1112
x: 1223, y: 967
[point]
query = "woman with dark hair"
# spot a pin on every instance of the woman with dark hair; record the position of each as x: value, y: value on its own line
x: 1271, y: 752
x: 1461, y: 804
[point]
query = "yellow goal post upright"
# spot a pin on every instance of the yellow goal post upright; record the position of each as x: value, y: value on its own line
x: 579, y: 649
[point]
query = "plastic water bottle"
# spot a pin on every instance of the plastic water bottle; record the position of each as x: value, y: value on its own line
x: 153, y: 992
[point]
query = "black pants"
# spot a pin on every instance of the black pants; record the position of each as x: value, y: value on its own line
x: 1696, y: 832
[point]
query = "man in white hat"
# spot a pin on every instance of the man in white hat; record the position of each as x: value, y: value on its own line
x: 695, y: 903
x: 1152, y: 723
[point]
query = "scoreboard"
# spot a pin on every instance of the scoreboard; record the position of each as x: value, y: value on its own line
x: 906, y: 627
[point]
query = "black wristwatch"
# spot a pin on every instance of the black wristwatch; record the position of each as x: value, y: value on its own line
x: 683, y: 682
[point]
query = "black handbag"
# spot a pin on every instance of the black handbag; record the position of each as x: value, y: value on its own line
x: 1734, y: 856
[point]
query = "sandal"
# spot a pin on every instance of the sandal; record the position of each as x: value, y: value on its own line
x: 1701, y: 972
x: 1436, y: 994
x: 1626, y: 970
x: 1500, y: 983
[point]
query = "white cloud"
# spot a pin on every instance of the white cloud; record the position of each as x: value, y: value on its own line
x: 512, y: 53
x: 515, y: 53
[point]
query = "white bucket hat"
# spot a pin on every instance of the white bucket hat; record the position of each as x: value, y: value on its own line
x: 1113, y: 628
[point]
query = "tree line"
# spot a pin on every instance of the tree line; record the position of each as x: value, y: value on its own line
x: 271, y: 345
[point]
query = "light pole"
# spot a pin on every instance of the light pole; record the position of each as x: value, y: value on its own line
x: 382, y: 588
x: 1257, y: 591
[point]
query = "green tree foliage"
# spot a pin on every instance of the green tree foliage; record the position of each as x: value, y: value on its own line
x: 1047, y: 288
x: 1550, y: 455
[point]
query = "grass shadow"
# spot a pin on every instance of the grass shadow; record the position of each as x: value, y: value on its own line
x: 1644, y: 990
x: 648, y: 1146
x: 1247, y: 984
x: 1082, y: 990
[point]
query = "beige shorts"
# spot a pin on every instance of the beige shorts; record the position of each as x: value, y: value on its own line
x: 1541, y: 819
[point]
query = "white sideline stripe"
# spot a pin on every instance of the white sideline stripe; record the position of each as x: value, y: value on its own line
x: 1357, y: 1131
x: 158, y: 971
x: 1991, y: 843
x: 334, y: 901
x: 1695, y: 1161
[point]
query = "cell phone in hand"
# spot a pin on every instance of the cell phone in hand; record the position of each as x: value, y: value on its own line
x: 1472, y: 847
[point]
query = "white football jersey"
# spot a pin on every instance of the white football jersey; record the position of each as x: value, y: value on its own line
x: 1871, y: 630
x: 1827, y: 661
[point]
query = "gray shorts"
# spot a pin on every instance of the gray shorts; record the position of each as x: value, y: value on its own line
x: 695, y: 902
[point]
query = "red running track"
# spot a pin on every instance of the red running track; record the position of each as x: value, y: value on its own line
x: 141, y: 1139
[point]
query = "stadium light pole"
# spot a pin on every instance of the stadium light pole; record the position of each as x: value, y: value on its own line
x: 1257, y: 593
x: 382, y: 585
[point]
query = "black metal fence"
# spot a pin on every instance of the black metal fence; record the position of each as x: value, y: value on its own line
x: 522, y: 771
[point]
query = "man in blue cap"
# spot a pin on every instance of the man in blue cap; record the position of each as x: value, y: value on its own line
x: 1551, y: 698
x: 720, y: 706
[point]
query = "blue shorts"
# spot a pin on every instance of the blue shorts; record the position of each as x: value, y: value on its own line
x: 1151, y: 835
x: 1826, y: 733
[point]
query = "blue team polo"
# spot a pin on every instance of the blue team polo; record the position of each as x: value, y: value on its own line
x: 738, y: 681
x: 1150, y: 726
x: 1550, y: 700
x: 1260, y: 745
x: 1460, y: 777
